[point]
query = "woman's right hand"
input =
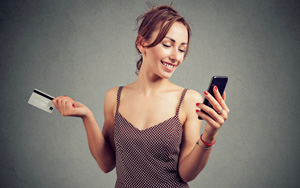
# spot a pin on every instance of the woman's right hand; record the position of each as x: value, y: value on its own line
x: 69, y: 107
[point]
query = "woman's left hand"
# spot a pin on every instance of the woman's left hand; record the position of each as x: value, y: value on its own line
x: 219, y: 112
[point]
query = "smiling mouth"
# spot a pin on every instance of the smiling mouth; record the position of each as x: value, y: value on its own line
x: 168, y: 65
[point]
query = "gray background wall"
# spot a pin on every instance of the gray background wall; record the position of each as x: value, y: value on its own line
x: 83, y: 48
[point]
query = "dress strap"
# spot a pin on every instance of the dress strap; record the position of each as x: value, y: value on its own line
x: 181, y: 99
x: 118, y: 98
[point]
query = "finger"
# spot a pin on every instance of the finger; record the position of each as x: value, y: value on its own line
x: 208, y: 119
x: 221, y: 101
x: 60, y: 103
x: 224, y: 96
x: 54, y: 101
x: 218, y: 96
x: 57, y: 104
x: 223, y: 104
x: 67, y: 106
x: 77, y: 104
x: 215, y: 104
x: 212, y: 113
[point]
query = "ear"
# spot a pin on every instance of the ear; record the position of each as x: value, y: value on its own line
x: 140, y: 43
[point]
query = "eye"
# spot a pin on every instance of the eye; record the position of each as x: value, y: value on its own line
x: 182, y: 49
x: 165, y: 45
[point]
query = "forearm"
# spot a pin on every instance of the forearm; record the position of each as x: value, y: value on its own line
x: 193, y: 164
x: 100, y: 149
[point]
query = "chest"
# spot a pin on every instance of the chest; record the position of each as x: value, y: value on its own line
x: 159, y: 141
x: 144, y: 113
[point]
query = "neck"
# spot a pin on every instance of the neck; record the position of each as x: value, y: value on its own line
x: 149, y: 83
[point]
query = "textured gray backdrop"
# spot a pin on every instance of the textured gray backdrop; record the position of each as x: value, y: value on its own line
x: 83, y: 48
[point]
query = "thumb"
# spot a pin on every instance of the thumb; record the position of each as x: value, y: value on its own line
x: 77, y: 104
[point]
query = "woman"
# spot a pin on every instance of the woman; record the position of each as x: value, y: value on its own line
x: 151, y: 132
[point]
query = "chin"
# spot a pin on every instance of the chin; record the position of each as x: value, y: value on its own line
x: 166, y: 75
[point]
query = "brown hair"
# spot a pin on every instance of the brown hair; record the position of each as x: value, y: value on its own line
x: 164, y: 17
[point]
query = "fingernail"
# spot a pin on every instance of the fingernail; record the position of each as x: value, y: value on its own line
x: 197, y: 104
x: 205, y: 92
x: 197, y: 110
x: 216, y: 88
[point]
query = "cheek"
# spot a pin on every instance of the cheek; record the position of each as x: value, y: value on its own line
x: 163, y: 52
x: 182, y: 58
x: 160, y: 53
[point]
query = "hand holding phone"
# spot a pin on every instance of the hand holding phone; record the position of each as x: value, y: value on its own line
x: 220, y: 82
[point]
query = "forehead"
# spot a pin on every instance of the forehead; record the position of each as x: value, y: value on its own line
x: 178, y: 32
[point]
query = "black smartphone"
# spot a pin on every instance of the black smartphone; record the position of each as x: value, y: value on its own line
x: 220, y: 82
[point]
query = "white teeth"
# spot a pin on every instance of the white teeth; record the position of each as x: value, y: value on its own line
x: 167, y: 65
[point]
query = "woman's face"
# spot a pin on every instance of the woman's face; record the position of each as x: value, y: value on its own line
x: 165, y: 57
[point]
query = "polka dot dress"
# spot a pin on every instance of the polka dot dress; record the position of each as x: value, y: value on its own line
x: 148, y: 158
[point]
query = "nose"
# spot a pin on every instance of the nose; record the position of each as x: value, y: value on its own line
x: 175, y: 56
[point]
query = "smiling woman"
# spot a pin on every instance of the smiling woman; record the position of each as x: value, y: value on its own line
x: 159, y: 20
x: 167, y: 55
x: 151, y: 132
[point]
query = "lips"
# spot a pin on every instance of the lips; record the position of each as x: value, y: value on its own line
x: 168, y: 65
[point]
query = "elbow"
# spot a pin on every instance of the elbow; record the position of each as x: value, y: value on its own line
x: 187, y: 179
x: 188, y: 175
x: 106, y: 169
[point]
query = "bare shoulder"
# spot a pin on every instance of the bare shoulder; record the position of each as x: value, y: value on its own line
x: 191, y: 98
x: 112, y: 92
x: 110, y: 100
x: 192, y: 95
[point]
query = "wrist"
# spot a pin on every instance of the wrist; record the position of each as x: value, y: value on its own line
x: 209, y: 138
x: 88, y: 116
x: 203, y: 145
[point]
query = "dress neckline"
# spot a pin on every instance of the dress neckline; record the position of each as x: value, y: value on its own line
x: 151, y: 127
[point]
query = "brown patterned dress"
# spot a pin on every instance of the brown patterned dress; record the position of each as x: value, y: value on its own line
x: 148, y: 158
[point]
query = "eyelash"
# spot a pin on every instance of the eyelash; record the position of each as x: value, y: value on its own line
x: 183, y: 51
x: 166, y: 45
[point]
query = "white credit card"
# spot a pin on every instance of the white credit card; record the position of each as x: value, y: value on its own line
x: 41, y: 100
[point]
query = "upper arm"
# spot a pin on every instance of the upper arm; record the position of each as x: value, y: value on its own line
x: 109, y: 112
x: 192, y: 125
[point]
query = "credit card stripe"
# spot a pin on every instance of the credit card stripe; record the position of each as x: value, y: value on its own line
x: 44, y: 95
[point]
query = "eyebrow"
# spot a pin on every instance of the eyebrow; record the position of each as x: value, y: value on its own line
x: 183, y: 43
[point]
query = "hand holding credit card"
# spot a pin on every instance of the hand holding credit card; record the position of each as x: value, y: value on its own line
x: 41, y: 100
x: 46, y: 102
